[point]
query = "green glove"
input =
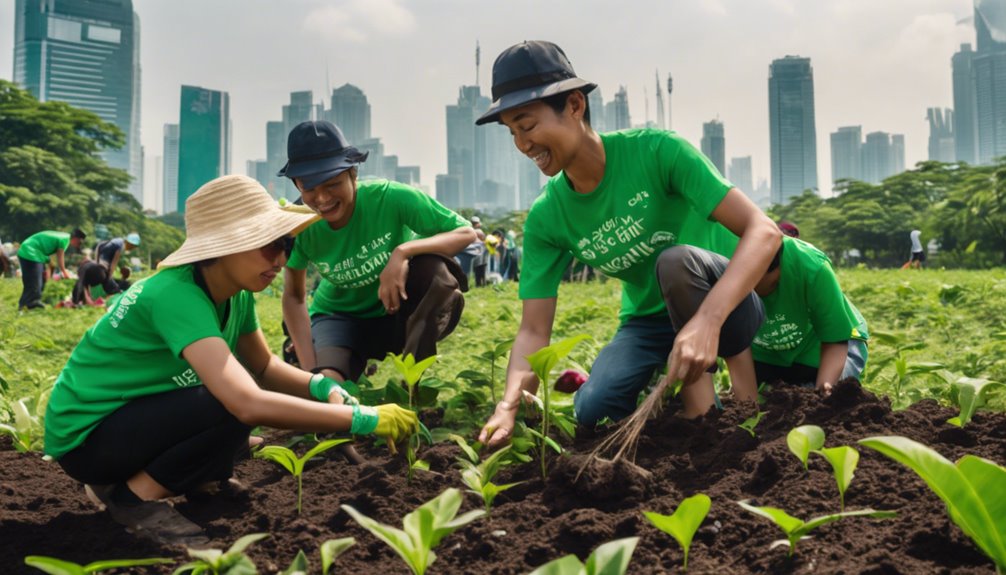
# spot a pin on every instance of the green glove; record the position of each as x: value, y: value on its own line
x: 321, y: 387
x: 387, y: 420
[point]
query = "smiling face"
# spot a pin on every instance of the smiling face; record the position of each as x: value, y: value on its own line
x: 551, y: 139
x: 333, y: 199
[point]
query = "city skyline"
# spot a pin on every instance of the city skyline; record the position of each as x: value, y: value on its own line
x: 898, y: 67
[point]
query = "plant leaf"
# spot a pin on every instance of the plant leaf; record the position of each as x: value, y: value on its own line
x: 298, y: 566
x: 750, y: 423
x: 281, y: 455
x: 843, y: 462
x: 53, y: 566
x: 804, y: 439
x: 120, y: 563
x: 568, y: 565
x: 395, y: 538
x: 316, y: 450
x: 684, y: 522
x: 241, y: 544
x: 331, y: 549
x: 611, y: 558
x: 465, y: 448
x: 971, y: 395
x: 825, y: 519
x: 785, y: 521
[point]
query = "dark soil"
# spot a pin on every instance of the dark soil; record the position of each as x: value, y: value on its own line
x: 43, y: 512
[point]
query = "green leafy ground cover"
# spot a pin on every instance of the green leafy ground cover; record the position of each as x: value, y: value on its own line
x: 928, y: 328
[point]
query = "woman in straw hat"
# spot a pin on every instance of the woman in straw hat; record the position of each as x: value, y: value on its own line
x: 163, y: 391
x: 626, y: 203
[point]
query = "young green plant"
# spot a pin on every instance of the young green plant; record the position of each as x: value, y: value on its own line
x: 423, y: 528
x: 970, y: 394
x: 972, y: 490
x: 412, y: 372
x: 807, y: 439
x: 287, y: 459
x: 542, y: 362
x: 611, y: 558
x: 217, y: 562
x: 330, y: 551
x: 55, y: 566
x: 751, y: 423
x: 684, y: 522
x: 479, y: 477
x: 803, y: 440
x: 796, y: 529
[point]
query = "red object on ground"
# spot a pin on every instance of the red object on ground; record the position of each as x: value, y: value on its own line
x: 570, y: 381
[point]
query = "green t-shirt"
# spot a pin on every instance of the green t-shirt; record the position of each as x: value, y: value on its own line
x: 135, y: 349
x: 350, y: 260
x: 657, y: 191
x: 806, y: 309
x: 38, y: 247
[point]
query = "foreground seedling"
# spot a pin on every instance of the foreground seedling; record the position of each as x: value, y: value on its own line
x: 330, y: 551
x: 611, y: 558
x: 807, y: 439
x: 217, y: 562
x: 684, y: 522
x: 752, y: 422
x: 542, y: 362
x: 424, y: 528
x: 295, y: 465
x: 55, y: 566
x: 970, y: 396
x: 479, y: 477
x: 973, y: 490
x: 796, y: 530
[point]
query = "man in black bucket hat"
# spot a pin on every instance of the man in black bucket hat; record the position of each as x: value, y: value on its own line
x: 638, y: 205
x: 389, y: 282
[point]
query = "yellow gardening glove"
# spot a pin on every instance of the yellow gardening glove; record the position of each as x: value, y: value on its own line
x: 394, y: 422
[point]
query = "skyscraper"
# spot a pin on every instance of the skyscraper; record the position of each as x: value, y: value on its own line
x: 350, y: 110
x: 461, y: 144
x: 204, y: 138
x: 595, y: 103
x: 990, y: 79
x: 170, y: 170
x: 85, y: 53
x: 965, y: 106
x: 661, y: 123
x: 897, y: 154
x: 792, y: 131
x: 616, y: 116
x: 847, y: 154
x: 742, y: 176
x: 941, y: 134
x: 883, y: 156
x: 714, y: 144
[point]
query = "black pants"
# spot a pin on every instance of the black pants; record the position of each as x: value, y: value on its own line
x: 435, y: 284
x: 33, y: 281
x: 180, y: 438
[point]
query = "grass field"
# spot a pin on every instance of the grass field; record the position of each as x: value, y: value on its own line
x: 924, y: 323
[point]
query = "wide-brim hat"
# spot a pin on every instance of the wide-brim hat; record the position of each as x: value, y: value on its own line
x: 234, y: 214
x: 318, y: 151
x: 530, y: 71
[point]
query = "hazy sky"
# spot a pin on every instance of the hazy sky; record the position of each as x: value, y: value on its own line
x: 877, y: 63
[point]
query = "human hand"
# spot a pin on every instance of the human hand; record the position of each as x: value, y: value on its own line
x: 394, y: 422
x: 391, y: 290
x: 694, y: 350
x: 338, y: 394
x: 824, y: 388
x: 499, y: 429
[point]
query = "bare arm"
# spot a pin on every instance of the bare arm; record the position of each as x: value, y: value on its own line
x: 62, y: 266
x: 534, y: 333
x: 298, y: 323
x: 696, y: 344
x: 229, y: 381
x: 396, y: 271
x: 114, y: 264
x: 833, y: 356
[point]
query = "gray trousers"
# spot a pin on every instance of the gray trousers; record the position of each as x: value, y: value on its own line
x: 641, y: 345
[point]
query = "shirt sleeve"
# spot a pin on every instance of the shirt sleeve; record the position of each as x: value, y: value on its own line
x: 544, y: 260
x: 298, y: 259
x: 249, y: 319
x: 828, y: 311
x: 422, y: 214
x: 183, y: 318
x: 690, y: 173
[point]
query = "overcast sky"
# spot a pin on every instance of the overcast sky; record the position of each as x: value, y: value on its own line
x: 877, y: 63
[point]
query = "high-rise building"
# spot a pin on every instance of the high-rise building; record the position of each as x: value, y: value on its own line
x: 169, y: 203
x: 616, y: 112
x: 990, y: 79
x: 941, y: 134
x: 897, y: 153
x: 883, y: 156
x: 350, y: 110
x: 714, y: 144
x: 85, y: 53
x: 461, y: 143
x: 847, y: 154
x: 204, y: 140
x: 741, y: 175
x: 792, y: 130
x: 661, y: 122
x: 301, y: 108
x: 595, y: 103
x: 965, y: 106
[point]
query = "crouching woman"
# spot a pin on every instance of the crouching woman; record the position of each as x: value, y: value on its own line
x: 162, y: 392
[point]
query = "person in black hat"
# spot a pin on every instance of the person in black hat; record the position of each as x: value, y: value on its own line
x: 637, y: 205
x: 385, y: 253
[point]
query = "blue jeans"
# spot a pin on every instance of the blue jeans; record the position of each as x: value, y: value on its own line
x: 33, y: 282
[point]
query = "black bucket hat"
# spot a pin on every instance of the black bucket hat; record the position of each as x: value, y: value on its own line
x: 316, y: 152
x: 530, y: 71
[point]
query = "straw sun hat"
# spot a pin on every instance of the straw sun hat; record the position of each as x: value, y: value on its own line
x: 234, y: 214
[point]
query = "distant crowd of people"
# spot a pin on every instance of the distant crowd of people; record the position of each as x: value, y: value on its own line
x: 492, y: 258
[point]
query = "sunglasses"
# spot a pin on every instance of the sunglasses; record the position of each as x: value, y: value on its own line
x: 273, y: 249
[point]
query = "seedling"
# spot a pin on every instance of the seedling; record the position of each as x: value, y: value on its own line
x: 843, y: 462
x: 500, y: 350
x: 289, y: 460
x: 26, y: 427
x: 479, y: 478
x: 471, y: 453
x: 684, y: 522
x: 750, y: 423
x: 796, y: 530
x: 611, y: 558
x: 542, y: 362
x: 298, y: 566
x: 803, y: 440
x: 217, y: 562
x: 970, y: 396
x: 972, y: 490
x: 412, y: 372
x: 55, y: 566
x: 332, y: 549
x: 424, y: 528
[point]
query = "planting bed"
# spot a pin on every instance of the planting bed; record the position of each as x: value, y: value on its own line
x: 43, y: 512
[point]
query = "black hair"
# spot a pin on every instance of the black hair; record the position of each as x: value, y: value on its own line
x: 78, y: 233
x: 558, y: 103
x: 776, y: 260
